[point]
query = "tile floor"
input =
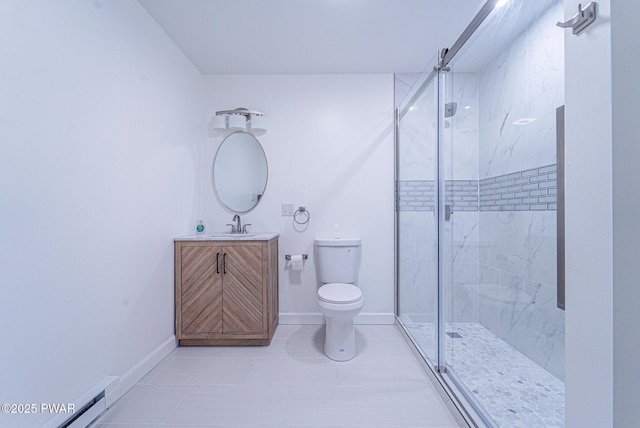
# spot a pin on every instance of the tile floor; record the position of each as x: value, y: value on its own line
x: 514, y: 390
x: 287, y: 384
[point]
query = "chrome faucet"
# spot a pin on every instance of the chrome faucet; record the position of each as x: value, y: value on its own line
x: 236, y: 218
x: 238, y: 227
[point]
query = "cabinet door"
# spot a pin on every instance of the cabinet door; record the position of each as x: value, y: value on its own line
x: 201, y: 289
x: 242, y: 296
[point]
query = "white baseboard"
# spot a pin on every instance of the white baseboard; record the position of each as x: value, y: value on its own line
x: 126, y: 381
x: 296, y: 318
x: 79, y: 403
x: 382, y: 318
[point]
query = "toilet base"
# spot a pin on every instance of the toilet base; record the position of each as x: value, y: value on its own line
x: 340, y: 334
x: 340, y: 339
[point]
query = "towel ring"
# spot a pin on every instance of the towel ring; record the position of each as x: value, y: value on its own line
x: 301, y: 216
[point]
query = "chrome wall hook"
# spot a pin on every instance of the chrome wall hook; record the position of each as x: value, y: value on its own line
x: 582, y: 19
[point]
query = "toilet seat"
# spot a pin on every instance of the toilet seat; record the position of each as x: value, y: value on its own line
x: 339, y: 293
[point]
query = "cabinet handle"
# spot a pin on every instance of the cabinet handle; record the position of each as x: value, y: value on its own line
x: 224, y: 263
x: 217, y: 263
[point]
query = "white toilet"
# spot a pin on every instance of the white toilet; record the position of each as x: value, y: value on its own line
x: 337, y: 261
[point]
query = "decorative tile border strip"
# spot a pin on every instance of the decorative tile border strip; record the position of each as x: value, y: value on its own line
x: 461, y: 195
x: 529, y: 190
x: 416, y: 195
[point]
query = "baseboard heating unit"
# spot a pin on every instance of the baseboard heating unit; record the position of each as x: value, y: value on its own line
x: 84, y: 416
x: 85, y: 409
x: 106, y: 393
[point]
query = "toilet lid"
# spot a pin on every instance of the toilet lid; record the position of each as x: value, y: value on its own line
x: 339, y: 293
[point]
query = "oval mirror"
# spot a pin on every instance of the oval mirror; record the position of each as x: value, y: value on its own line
x: 240, y: 172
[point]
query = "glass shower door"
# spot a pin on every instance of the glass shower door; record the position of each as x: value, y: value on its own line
x: 416, y: 214
x: 476, y: 182
x: 459, y: 226
x: 503, y: 336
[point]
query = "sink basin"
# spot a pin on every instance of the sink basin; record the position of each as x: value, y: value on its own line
x: 228, y: 235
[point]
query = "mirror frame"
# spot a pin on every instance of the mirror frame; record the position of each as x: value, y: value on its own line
x: 213, y: 166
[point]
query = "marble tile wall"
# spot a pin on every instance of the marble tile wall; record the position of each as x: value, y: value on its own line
x: 520, y: 91
x: 461, y: 245
x: 459, y: 168
x: 418, y: 250
x: 516, y: 288
x: 521, y: 88
x: 418, y: 265
x: 460, y: 133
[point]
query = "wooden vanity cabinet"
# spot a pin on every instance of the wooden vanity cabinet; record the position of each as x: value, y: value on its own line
x: 226, y: 292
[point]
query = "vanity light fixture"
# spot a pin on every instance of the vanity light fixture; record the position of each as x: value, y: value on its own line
x: 258, y: 125
x: 218, y: 123
x: 239, y: 119
x: 237, y: 122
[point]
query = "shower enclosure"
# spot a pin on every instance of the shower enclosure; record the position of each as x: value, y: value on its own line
x: 476, y: 214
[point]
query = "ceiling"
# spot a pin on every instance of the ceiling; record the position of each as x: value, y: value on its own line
x: 311, y: 36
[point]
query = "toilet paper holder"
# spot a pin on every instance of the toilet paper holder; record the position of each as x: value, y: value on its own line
x: 288, y: 257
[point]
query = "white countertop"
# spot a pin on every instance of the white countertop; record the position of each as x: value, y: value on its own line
x: 251, y: 236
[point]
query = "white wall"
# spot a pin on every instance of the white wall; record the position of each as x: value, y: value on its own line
x: 588, y: 193
x: 100, y: 128
x: 626, y: 211
x: 330, y: 149
x: 602, y: 156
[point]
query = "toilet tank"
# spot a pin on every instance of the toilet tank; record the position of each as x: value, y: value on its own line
x: 337, y: 260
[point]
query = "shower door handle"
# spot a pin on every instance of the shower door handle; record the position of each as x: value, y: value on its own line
x: 448, y: 212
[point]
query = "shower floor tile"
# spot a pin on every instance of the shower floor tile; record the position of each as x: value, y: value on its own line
x: 515, y: 391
